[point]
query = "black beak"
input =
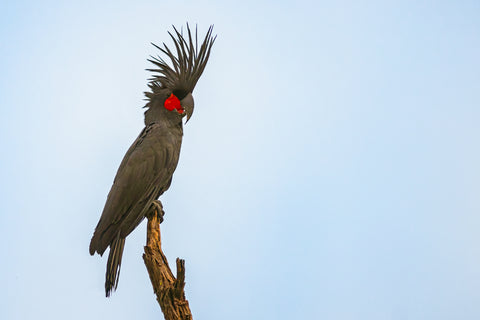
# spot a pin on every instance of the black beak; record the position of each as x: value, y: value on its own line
x: 187, y: 104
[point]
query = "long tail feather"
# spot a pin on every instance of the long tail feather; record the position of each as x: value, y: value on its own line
x: 113, y: 265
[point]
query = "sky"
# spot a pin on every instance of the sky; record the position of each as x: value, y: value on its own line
x: 330, y: 170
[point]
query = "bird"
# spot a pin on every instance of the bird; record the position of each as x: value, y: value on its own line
x: 147, y: 168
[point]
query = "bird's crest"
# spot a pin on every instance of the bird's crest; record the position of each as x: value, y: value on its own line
x: 187, y: 64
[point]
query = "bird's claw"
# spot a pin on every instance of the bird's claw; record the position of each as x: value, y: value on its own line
x: 157, y: 208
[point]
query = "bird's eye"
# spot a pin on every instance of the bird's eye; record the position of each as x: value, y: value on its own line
x: 172, y: 103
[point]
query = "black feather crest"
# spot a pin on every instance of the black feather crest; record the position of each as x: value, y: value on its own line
x: 188, y: 63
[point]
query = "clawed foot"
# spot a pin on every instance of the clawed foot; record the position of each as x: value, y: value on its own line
x: 157, y: 208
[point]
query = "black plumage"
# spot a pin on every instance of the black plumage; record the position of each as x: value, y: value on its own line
x: 147, y: 168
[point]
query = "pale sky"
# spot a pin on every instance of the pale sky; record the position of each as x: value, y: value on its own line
x: 330, y: 170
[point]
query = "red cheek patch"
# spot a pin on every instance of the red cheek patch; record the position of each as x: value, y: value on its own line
x: 172, y: 103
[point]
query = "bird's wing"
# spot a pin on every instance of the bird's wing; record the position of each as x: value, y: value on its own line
x: 145, y: 173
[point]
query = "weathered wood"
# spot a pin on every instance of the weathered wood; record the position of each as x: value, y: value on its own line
x: 170, y: 291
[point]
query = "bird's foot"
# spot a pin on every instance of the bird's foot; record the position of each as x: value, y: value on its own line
x: 157, y: 208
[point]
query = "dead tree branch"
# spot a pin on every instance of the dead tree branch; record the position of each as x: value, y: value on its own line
x: 169, y: 291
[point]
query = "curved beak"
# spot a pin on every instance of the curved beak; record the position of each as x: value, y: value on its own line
x: 187, y: 104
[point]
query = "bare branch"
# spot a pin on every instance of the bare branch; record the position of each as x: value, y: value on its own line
x: 170, y: 291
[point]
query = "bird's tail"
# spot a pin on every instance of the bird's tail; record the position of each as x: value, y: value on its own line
x: 113, y: 265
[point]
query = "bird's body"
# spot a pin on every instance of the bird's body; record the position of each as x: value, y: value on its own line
x: 147, y: 168
x: 144, y: 174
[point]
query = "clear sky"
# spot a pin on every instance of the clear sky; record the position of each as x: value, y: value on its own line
x: 331, y: 169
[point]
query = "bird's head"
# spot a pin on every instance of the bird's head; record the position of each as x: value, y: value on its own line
x: 172, y: 86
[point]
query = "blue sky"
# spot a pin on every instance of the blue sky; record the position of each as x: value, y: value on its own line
x: 330, y: 170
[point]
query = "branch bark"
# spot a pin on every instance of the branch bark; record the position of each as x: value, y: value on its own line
x: 169, y: 290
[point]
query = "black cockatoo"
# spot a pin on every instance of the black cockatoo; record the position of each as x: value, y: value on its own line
x: 146, y: 170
